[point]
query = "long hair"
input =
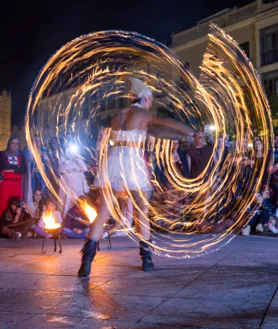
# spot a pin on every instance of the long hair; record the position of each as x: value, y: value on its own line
x: 10, y: 141
x: 41, y: 203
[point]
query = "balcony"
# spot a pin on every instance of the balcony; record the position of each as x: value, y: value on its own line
x: 223, y: 19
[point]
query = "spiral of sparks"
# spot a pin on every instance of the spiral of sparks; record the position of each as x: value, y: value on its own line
x: 85, y: 80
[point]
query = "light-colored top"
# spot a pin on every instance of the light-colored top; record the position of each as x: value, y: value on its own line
x: 134, y: 135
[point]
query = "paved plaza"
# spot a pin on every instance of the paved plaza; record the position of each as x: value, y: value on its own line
x: 235, y: 287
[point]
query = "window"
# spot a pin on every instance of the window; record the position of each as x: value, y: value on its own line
x: 246, y: 48
x: 270, y: 82
x: 269, y: 45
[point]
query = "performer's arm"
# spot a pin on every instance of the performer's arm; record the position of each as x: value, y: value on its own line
x: 173, y: 124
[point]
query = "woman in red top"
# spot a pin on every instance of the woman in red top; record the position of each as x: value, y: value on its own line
x: 12, y: 166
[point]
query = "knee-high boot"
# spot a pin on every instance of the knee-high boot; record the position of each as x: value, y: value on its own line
x: 146, y: 256
x: 88, y: 254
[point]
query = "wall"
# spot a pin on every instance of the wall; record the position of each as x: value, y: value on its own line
x: 5, y: 119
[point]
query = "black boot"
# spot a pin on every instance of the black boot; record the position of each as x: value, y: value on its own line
x: 146, y: 256
x: 88, y: 254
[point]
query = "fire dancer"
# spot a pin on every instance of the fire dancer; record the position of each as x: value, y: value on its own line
x: 128, y: 129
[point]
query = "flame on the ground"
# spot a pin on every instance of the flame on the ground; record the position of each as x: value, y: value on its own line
x: 50, y: 222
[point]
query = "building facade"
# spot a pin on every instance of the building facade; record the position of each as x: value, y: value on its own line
x: 5, y: 118
x: 254, y: 27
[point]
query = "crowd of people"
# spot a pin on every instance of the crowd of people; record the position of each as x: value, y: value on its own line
x: 25, y: 197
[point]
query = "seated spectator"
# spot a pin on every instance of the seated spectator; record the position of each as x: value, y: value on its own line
x: 50, y: 207
x: 16, y: 222
x: 37, y: 206
x: 77, y: 223
x: 259, y: 223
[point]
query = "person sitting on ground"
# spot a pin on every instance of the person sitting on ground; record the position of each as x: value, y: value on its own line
x: 16, y: 222
x: 37, y: 206
x: 259, y: 222
x: 50, y: 208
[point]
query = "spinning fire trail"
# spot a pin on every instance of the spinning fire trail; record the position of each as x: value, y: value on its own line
x: 91, y: 72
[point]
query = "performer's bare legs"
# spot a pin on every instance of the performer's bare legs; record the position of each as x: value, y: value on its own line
x: 141, y: 220
x: 126, y: 207
x: 96, y: 230
x: 142, y: 228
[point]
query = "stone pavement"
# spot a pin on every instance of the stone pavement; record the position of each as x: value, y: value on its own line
x: 235, y: 287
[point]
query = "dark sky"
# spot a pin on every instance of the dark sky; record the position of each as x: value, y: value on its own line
x: 30, y: 34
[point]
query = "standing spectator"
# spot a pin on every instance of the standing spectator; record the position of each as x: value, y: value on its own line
x: 12, y: 166
x: 200, y: 154
x: 72, y: 182
x: 36, y: 178
x: 274, y: 170
x: 189, y: 140
x: 228, y: 143
x: 259, y: 159
x: 181, y: 159
x: 209, y: 139
x: 53, y: 172
x: 276, y: 148
x: 170, y: 197
x: 27, y: 184
x: 221, y: 147
x: 182, y: 164
x: 32, y: 179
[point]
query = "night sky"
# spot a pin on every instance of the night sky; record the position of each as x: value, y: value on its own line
x: 31, y: 34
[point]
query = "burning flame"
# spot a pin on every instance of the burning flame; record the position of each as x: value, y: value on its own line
x: 49, y: 221
x: 90, y: 212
